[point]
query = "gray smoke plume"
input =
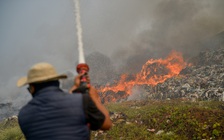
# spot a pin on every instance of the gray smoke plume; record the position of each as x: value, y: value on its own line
x: 170, y: 25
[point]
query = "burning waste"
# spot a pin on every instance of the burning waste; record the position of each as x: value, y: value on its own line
x: 153, y: 72
x: 171, y: 78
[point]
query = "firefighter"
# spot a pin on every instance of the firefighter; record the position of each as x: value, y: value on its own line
x: 53, y: 114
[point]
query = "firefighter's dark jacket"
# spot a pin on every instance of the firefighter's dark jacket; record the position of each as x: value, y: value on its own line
x: 54, y: 115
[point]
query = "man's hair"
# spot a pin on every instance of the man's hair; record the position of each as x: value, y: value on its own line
x: 39, y: 86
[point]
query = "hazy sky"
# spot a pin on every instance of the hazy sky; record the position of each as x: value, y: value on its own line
x: 127, y: 31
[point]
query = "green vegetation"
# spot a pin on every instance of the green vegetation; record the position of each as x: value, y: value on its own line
x: 9, y: 130
x: 152, y: 120
x: 166, y: 120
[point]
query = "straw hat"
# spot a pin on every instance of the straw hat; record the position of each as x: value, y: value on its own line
x: 40, y: 72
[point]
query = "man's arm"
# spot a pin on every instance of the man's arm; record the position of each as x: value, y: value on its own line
x: 107, y: 124
x: 96, y: 100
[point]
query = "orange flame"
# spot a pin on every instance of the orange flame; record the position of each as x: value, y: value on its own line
x: 154, y: 71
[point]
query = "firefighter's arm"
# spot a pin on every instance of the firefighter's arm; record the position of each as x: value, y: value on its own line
x: 96, y: 99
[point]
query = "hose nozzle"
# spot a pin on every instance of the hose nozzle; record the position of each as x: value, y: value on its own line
x: 83, y: 69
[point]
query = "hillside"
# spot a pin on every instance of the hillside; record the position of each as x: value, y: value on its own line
x: 151, y: 120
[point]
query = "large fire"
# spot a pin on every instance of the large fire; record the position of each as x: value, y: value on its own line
x: 154, y: 71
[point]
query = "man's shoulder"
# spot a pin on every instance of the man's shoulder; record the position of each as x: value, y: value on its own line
x: 74, y: 95
x: 72, y: 99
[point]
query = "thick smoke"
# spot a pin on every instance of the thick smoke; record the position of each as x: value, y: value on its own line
x: 137, y: 94
x: 172, y: 25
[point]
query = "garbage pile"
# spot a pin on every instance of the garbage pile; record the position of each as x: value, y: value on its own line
x: 205, y: 83
x: 204, y: 80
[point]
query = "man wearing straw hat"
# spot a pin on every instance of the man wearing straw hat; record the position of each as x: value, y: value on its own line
x: 53, y: 114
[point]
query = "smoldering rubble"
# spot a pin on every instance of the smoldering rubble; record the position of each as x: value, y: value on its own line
x: 202, y: 80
